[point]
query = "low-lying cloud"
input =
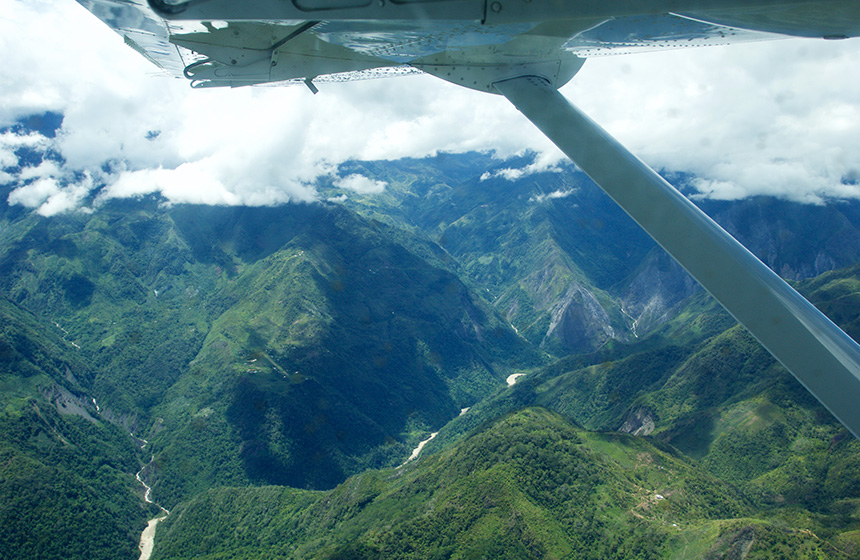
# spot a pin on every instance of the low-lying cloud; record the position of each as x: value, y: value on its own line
x: 544, y: 162
x: 562, y: 193
x: 360, y: 184
x: 779, y: 118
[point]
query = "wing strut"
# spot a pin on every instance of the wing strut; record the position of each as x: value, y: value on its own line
x: 819, y: 354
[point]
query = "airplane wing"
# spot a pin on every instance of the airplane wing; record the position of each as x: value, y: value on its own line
x: 525, y: 50
x: 229, y: 43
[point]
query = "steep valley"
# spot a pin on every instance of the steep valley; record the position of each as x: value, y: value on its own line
x: 282, y: 363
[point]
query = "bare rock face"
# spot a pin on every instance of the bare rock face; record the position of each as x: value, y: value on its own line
x: 659, y: 284
x: 68, y: 403
x: 640, y: 422
x: 556, y: 308
x: 579, y: 321
x: 735, y: 545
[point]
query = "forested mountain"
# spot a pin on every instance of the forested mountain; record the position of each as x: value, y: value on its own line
x: 296, y: 344
x: 266, y: 370
x: 67, y: 484
x: 529, y: 485
x: 705, y: 387
x: 562, y: 262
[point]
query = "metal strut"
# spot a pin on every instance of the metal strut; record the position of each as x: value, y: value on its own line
x: 817, y: 352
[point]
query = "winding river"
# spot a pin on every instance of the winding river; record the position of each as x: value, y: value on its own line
x: 147, y: 537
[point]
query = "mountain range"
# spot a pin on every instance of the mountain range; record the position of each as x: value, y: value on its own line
x: 266, y: 372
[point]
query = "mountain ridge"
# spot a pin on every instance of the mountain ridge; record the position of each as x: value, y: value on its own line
x: 507, y: 232
x: 633, y: 500
x: 305, y: 344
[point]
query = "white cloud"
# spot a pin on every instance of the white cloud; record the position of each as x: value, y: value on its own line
x: 746, y: 119
x: 33, y: 195
x: 563, y: 193
x: 10, y: 142
x: 47, y: 168
x: 48, y: 197
x: 65, y: 200
x: 7, y: 158
x: 773, y: 118
x: 360, y: 184
x: 203, y: 182
x: 543, y: 162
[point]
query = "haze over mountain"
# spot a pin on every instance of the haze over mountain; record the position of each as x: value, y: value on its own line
x: 266, y: 370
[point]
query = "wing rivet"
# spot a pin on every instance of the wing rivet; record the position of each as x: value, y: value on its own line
x: 496, y: 7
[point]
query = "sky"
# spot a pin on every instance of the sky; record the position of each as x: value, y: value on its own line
x: 777, y: 118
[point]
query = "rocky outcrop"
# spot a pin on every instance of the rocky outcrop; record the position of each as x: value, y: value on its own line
x: 578, y: 321
x: 639, y: 422
x: 68, y: 403
x: 555, y: 308
x: 659, y: 284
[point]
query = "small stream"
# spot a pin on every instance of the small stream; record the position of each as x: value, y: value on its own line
x: 633, y: 324
x: 147, y: 537
x: 417, y: 450
x: 147, y: 495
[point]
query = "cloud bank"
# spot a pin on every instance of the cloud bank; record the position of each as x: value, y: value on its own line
x: 780, y: 118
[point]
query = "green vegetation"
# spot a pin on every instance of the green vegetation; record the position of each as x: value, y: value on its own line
x: 281, y: 362
x: 65, y: 485
x: 336, y: 352
x: 531, y: 485
x: 294, y: 345
x: 721, y: 399
x: 65, y: 488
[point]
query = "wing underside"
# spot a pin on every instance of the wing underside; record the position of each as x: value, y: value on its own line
x: 215, y: 53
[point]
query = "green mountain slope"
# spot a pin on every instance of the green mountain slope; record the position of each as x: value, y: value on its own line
x: 718, y: 397
x: 292, y: 345
x: 530, y: 485
x: 98, y: 278
x: 568, y: 268
x: 335, y: 353
x: 268, y: 352
x: 67, y: 486
x: 545, y: 264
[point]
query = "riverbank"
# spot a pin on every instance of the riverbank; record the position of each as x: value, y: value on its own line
x: 513, y: 378
x: 147, y: 538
